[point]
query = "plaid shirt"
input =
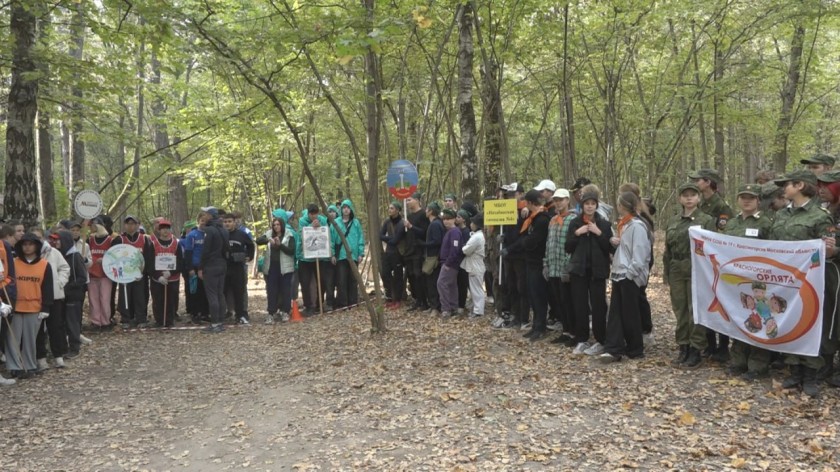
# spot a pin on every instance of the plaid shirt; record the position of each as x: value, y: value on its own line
x: 556, y: 258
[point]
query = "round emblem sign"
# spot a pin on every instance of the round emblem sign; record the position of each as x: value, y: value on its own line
x: 88, y: 204
x: 123, y: 264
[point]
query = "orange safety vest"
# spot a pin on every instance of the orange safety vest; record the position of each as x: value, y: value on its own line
x: 29, y: 278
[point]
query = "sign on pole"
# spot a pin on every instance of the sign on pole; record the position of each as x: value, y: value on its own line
x: 500, y: 212
x: 123, y: 264
x: 316, y: 242
x: 88, y: 204
x: 402, y: 179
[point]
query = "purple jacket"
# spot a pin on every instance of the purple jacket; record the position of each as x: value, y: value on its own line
x: 450, y: 251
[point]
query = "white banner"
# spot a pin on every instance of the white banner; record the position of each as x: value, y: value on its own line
x: 316, y: 242
x: 765, y: 293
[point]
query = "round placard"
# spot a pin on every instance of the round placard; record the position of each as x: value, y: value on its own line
x: 123, y: 264
x: 88, y: 204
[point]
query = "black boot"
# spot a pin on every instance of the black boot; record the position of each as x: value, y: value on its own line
x: 681, y: 356
x: 827, y: 370
x: 693, y: 360
x: 810, y: 384
x: 721, y: 355
x: 793, y: 380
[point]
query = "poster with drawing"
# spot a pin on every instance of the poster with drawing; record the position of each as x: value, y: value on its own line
x: 316, y: 242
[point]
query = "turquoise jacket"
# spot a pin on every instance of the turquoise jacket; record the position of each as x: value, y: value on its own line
x: 352, y: 231
x: 303, y: 222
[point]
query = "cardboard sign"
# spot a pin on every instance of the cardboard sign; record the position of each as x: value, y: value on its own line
x: 166, y: 262
x: 316, y: 242
x: 88, y: 204
x: 500, y: 212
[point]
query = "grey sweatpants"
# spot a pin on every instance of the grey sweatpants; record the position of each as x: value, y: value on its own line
x: 24, y: 332
x: 214, y: 287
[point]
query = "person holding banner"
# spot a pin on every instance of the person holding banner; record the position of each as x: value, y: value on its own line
x: 676, y: 274
x: 166, y: 277
x: 750, y: 362
x: 803, y: 219
x: 829, y: 188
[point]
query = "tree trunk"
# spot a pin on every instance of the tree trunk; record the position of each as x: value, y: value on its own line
x: 470, y: 183
x: 77, y: 152
x: 21, y: 193
x: 45, y: 157
x: 569, y: 163
x: 717, y: 121
x: 783, y: 128
x: 701, y: 120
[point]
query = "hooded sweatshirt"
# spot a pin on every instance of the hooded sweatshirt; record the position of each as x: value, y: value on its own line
x: 34, y: 280
x: 216, y: 245
x: 74, y: 290
x: 352, y: 229
x: 60, y: 268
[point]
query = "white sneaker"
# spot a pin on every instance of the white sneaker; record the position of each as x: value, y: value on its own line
x: 476, y: 315
x: 59, y: 362
x: 580, y: 349
x: 284, y: 316
x: 269, y: 319
x: 490, y: 300
x: 3, y: 359
x: 5, y: 381
x: 526, y: 326
x: 244, y: 321
x: 42, y: 364
x: 556, y: 326
x: 84, y: 339
x: 594, y: 350
x: 647, y: 339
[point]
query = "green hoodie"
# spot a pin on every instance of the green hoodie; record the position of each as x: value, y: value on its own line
x: 352, y: 231
x: 303, y: 222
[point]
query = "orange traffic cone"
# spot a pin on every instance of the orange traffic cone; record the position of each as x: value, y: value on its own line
x: 296, y: 316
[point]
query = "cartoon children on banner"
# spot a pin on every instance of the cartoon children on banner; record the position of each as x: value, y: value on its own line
x: 763, y: 312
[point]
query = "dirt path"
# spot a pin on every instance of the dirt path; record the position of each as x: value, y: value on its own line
x: 431, y: 395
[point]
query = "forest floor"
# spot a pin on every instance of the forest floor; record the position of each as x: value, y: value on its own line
x: 429, y: 395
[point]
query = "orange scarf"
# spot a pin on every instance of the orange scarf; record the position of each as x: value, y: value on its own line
x: 558, y: 220
x: 530, y: 219
x: 624, y: 220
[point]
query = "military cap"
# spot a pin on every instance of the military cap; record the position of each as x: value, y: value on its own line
x: 688, y: 186
x: 797, y: 175
x: 448, y: 214
x: 829, y: 177
x: 819, y: 159
x: 750, y: 189
x: 709, y: 174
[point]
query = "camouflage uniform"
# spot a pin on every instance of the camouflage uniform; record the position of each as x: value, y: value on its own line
x: 677, y: 274
x: 797, y: 224
x: 746, y: 357
x: 716, y: 207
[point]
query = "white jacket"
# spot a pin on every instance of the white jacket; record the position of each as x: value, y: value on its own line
x: 473, y: 263
x: 60, y: 269
x: 632, y: 256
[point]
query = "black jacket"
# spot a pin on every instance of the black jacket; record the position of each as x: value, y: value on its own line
x: 241, y: 247
x: 590, y: 253
x: 216, y: 245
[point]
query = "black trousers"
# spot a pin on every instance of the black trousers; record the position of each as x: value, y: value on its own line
x: 134, y: 308
x: 53, y: 328
x: 431, y: 288
x: 236, y: 282
x: 537, y: 288
x: 347, y: 290
x: 516, y: 295
x: 624, y: 323
x: 392, y: 276
x: 214, y: 287
x: 417, y: 281
x: 561, y: 294
x: 169, y: 292
x: 73, y: 318
x: 644, y: 311
x: 463, y: 287
x: 308, y: 284
x: 589, y: 296
x: 327, y: 295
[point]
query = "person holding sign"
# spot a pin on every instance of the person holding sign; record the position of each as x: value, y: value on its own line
x: 99, y: 286
x: 134, y: 298
x: 166, y: 276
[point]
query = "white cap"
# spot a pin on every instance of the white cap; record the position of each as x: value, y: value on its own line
x: 546, y: 185
x: 561, y: 193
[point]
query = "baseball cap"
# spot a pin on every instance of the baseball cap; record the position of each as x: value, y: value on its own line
x: 561, y: 193
x: 546, y: 185
x: 798, y: 175
x: 131, y: 218
x: 580, y: 183
x: 164, y: 222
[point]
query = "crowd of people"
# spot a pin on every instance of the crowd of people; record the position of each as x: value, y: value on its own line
x: 547, y: 273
